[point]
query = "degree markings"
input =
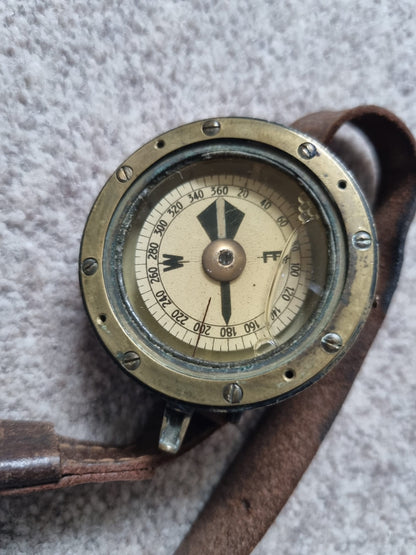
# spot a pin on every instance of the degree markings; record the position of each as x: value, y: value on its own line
x: 254, y: 197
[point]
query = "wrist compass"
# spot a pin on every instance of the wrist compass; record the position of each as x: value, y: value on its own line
x: 228, y: 264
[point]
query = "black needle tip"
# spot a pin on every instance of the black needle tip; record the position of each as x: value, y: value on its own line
x: 226, y: 301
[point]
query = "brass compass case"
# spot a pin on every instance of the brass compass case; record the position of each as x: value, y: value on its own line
x: 229, y: 263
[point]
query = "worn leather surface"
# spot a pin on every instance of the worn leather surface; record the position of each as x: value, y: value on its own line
x: 34, y: 458
x: 265, y: 472
x: 29, y: 453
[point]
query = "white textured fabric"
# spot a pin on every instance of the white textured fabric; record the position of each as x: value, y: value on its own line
x: 82, y: 85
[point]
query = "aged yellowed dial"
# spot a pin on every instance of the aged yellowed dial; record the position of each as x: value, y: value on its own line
x: 208, y: 255
x: 228, y: 264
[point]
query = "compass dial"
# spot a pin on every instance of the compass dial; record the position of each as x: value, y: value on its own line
x: 220, y: 264
x: 262, y: 228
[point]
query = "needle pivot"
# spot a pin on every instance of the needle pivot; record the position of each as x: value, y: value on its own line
x: 224, y: 260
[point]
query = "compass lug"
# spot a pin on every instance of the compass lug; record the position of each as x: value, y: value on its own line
x: 175, y: 422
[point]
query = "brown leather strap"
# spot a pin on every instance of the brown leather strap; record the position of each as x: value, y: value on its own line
x: 34, y: 458
x: 270, y: 464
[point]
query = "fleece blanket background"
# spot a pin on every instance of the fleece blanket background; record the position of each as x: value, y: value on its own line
x: 82, y: 85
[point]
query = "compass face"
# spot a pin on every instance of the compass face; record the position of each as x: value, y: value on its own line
x: 227, y: 260
x: 227, y: 264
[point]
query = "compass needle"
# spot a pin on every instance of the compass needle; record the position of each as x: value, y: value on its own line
x: 226, y: 301
x: 223, y: 258
x: 221, y: 221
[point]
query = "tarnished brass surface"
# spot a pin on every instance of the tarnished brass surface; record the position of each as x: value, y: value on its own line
x: 231, y: 264
x: 273, y: 376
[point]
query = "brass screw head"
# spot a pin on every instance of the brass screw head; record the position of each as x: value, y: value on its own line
x: 131, y: 360
x: 89, y: 266
x: 124, y: 174
x: 362, y: 240
x: 233, y: 393
x: 211, y: 127
x: 331, y: 342
x: 307, y: 151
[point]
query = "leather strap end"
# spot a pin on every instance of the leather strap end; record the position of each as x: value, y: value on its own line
x: 29, y: 454
x: 34, y: 458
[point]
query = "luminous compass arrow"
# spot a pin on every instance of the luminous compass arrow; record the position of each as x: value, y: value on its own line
x: 221, y: 220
